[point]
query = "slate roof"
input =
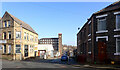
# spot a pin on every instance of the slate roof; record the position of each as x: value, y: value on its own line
x: 24, y: 25
x: 114, y: 6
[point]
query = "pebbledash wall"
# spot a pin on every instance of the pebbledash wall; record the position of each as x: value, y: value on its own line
x: 18, y: 40
x: 99, y: 39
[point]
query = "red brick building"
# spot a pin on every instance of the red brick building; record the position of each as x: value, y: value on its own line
x: 99, y: 38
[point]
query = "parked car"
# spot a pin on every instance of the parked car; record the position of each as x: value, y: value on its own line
x: 64, y: 58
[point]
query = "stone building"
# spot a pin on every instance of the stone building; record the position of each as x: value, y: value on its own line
x: 18, y: 39
x: 99, y: 39
x: 55, y: 44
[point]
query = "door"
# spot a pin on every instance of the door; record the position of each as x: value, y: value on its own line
x: 26, y: 51
x: 38, y: 53
x: 102, y: 51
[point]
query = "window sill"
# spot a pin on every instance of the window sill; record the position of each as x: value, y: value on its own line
x: 89, y: 35
x: 89, y: 52
x: 116, y: 53
x: 116, y: 29
x: 102, y: 31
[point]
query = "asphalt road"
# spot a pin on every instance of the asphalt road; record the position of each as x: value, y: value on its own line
x: 51, y: 63
x: 38, y: 63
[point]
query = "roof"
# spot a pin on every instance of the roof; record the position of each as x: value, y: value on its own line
x: 114, y: 6
x: 24, y: 25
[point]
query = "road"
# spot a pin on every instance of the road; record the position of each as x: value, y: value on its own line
x: 37, y: 63
x: 51, y: 63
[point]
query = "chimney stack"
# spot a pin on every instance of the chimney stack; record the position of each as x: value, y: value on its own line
x: 60, y: 43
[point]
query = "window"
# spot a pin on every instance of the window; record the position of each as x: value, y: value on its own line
x: 4, y: 35
x: 5, y: 23
x: 9, y: 23
x: 31, y: 37
x: 90, y: 28
x: 25, y: 35
x: 118, y: 45
x: 9, y: 46
x: 35, y: 39
x: 4, y: 48
x: 118, y: 21
x: 9, y: 35
x: 26, y: 50
x: 0, y: 47
x: 101, y: 24
x: 89, y: 47
x: 18, y: 35
x: 31, y: 48
x: 18, y: 48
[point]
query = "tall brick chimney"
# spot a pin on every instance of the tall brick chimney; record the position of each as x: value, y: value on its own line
x: 60, y: 43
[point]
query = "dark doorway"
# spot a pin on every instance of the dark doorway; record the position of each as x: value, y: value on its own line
x: 26, y: 51
x: 102, y: 50
x: 35, y: 53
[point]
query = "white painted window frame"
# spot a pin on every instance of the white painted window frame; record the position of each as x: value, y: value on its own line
x: 102, y: 31
x: 100, y: 16
x: 89, y: 52
x: 89, y: 34
x: 16, y: 34
x: 102, y: 37
x: 89, y: 39
x: 89, y: 22
x: 117, y: 53
x: 116, y: 13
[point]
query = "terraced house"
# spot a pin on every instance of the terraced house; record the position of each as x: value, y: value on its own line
x: 17, y: 39
x: 99, y: 38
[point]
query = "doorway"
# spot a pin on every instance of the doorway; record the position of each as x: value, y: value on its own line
x: 26, y: 51
x: 102, y: 50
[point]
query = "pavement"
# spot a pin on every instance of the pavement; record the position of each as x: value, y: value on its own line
x: 53, y: 63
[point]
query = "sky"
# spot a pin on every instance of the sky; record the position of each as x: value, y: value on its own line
x: 50, y: 18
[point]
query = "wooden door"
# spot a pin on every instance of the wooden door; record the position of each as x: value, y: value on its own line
x: 102, y: 51
x: 38, y: 53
